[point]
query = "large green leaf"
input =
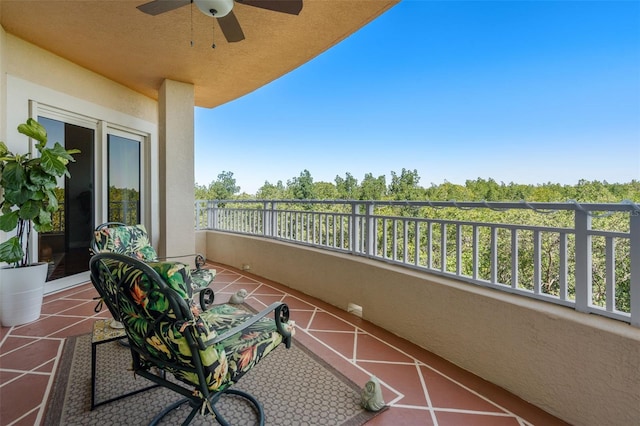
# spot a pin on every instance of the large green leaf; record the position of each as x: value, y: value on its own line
x: 40, y: 178
x: 13, y: 175
x: 38, y: 195
x: 52, y: 163
x: 43, y: 220
x: 64, y: 154
x: 3, y: 150
x: 52, y: 201
x: 54, y: 160
x: 9, y: 221
x: 43, y: 227
x: 17, y: 196
x: 34, y: 130
x: 30, y: 210
x: 11, y: 251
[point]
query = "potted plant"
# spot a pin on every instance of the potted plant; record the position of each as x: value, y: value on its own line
x: 28, y: 202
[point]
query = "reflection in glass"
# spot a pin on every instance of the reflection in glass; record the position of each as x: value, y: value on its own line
x: 123, y: 180
x: 66, y: 246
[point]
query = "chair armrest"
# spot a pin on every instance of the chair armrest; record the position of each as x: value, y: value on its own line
x: 199, y: 258
x: 281, y: 317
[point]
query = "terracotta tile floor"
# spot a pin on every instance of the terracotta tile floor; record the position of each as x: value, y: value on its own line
x: 421, y: 388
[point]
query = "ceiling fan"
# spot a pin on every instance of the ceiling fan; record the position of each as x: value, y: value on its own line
x: 222, y: 10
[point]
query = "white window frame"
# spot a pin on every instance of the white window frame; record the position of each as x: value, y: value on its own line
x: 102, y: 129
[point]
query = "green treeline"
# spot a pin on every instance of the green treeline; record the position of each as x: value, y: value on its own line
x: 406, y: 186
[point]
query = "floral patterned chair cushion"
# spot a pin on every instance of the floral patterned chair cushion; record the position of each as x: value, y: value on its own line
x: 133, y: 241
x: 157, y: 319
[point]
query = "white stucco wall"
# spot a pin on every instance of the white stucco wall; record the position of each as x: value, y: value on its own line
x: 582, y: 368
x: 29, y: 62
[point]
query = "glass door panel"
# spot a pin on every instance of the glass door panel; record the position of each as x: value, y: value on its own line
x: 66, y: 247
x: 123, y: 180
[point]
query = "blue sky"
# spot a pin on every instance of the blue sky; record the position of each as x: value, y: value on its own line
x: 518, y: 91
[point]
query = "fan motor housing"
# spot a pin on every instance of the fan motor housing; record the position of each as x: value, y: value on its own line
x: 216, y: 8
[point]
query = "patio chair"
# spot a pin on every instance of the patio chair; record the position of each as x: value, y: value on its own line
x: 133, y: 241
x: 208, y: 351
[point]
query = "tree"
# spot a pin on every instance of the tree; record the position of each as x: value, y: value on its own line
x: 223, y: 188
x: 301, y: 188
x: 372, y: 188
x: 270, y: 191
x: 347, y: 188
x: 448, y: 191
x: 405, y: 186
x: 325, y: 191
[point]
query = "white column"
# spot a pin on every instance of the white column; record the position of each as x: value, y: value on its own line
x: 176, y: 169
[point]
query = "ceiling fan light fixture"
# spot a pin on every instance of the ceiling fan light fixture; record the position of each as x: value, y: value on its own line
x: 215, y: 8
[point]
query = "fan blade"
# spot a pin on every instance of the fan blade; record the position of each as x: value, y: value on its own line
x: 292, y: 7
x: 157, y: 7
x: 231, y: 28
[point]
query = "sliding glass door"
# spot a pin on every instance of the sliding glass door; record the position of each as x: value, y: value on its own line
x: 66, y: 247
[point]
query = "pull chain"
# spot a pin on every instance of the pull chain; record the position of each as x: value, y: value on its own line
x: 213, y: 25
x: 191, y: 24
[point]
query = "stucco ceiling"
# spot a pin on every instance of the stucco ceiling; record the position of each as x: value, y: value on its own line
x: 116, y: 40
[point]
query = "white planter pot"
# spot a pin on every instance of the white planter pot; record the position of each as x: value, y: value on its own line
x: 21, y: 292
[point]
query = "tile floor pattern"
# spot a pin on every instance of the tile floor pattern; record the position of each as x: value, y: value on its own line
x: 419, y: 387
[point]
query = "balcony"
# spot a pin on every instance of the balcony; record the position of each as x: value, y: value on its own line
x: 453, y: 344
x: 547, y: 309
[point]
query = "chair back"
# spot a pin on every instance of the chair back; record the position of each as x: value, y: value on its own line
x: 130, y: 240
x: 152, y: 302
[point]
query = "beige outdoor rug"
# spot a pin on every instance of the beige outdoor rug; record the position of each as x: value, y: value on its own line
x: 294, y: 386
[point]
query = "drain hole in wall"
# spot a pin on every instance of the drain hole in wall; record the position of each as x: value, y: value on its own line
x: 354, y: 309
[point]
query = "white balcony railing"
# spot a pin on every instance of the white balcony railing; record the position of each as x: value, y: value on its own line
x: 584, y: 256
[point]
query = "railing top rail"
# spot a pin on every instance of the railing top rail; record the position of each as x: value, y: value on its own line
x: 624, y: 206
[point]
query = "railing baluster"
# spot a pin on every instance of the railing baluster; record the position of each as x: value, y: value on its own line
x: 430, y: 245
x: 384, y: 240
x: 214, y: 216
x: 443, y: 247
x: 610, y: 273
x: 514, y: 258
x: 394, y: 243
x: 417, y: 245
x: 458, y: 249
x: 537, y: 262
x: 475, y: 261
x: 353, y: 228
x: 494, y: 254
x: 563, y: 267
x: 405, y: 245
x: 327, y: 227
